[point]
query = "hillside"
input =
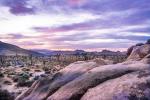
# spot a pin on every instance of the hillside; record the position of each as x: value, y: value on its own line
x: 10, y: 50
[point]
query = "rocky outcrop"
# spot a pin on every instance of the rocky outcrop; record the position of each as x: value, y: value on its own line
x: 96, y: 80
x: 46, y: 87
x: 133, y: 86
x: 139, y: 52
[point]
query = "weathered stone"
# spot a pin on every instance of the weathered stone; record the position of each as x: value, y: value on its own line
x: 139, y: 52
x: 48, y: 86
x: 127, y: 87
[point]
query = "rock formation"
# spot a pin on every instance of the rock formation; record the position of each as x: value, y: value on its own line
x: 98, y: 80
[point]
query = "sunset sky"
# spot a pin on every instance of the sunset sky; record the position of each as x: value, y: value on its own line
x: 74, y: 24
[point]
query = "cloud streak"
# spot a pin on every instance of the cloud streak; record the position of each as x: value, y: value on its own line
x: 75, y: 24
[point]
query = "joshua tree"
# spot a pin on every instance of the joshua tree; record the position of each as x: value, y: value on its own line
x: 85, y: 55
x: 44, y: 63
x: 31, y: 59
x: 1, y: 61
x: 58, y: 57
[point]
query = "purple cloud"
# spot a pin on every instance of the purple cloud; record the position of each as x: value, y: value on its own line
x: 18, y: 6
x: 113, y: 20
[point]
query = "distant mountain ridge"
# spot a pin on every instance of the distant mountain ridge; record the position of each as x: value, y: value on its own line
x: 11, y: 50
x: 55, y: 52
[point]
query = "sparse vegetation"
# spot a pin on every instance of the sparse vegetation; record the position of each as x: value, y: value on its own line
x: 1, y: 74
x: 21, y: 71
x: 51, y: 61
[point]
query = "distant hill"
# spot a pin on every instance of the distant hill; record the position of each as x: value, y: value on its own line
x: 104, y: 52
x: 9, y: 49
x: 53, y: 52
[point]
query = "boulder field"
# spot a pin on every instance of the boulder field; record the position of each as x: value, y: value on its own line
x: 98, y: 80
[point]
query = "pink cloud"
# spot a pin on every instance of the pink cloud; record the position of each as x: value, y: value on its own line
x: 76, y: 2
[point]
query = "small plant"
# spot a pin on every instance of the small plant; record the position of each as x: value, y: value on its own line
x: 23, y: 80
x: 1, y: 74
x: 25, y: 69
x: 7, y: 82
x: 46, y: 69
x: 37, y: 70
x: 148, y: 41
x: 5, y: 95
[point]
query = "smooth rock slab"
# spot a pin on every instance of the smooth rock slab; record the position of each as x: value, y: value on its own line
x: 133, y: 86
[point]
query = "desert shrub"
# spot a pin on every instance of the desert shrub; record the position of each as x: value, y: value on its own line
x: 15, y: 78
x: 139, y: 44
x: 45, y: 69
x: 43, y: 75
x: 1, y: 74
x: 5, y: 95
x: 7, y: 82
x: 9, y: 72
x: 23, y: 80
x: 12, y: 73
x: 21, y: 77
x: 148, y: 41
x: 37, y: 70
x: 25, y: 69
x: 36, y: 77
x: 48, y: 72
x: 25, y: 75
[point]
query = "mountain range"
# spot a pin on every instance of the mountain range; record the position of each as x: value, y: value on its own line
x: 77, y: 52
x: 9, y: 49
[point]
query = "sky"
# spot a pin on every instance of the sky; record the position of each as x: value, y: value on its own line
x: 90, y: 25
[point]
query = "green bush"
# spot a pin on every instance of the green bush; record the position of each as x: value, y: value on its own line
x: 23, y: 80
